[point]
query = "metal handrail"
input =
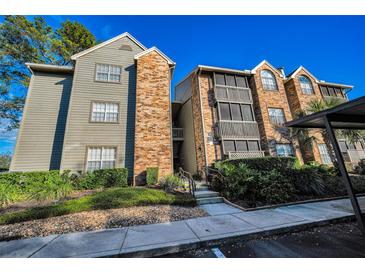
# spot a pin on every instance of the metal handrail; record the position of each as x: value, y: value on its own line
x: 211, y: 172
x: 187, y: 176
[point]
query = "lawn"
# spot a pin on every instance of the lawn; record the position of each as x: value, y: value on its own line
x: 110, y: 198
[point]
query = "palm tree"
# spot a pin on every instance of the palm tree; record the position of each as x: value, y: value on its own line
x: 350, y: 135
x: 303, y: 137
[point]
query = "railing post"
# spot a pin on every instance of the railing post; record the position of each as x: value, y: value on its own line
x: 345, y: 175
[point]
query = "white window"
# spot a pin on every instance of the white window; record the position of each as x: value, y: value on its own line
x: 284, y: 150
x: 305, y: 85
x: 100, y: 158
x: 276, y: 116
x: 326, y: 159
x: 268, y: 80
x: 108, y: 73
x: 105, y: 112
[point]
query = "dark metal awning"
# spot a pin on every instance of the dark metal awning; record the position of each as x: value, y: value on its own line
x: 349, y: 115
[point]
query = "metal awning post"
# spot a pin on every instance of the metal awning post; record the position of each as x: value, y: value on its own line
x: 345, y: 175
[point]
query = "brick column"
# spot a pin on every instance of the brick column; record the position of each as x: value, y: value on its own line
x: 153, y: 140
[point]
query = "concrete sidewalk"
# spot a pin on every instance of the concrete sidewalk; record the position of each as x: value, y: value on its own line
x: 158, y: 239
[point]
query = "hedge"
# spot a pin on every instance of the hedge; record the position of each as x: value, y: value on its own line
x: 266, y: 164
x: 152, y: 175
x: 115, y: 177
x: 48, y: 185
x: 279, y: 180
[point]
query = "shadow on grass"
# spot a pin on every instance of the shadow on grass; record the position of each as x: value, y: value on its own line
x: 107, y: 199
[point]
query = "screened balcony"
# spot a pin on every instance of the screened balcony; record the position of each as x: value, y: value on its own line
x: 232, y: 94
x: 237, y: 129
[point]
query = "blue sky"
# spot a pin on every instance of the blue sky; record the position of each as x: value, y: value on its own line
x: 331, y: 47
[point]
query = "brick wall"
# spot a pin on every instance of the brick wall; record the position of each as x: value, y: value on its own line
x: 204, y: 108
x: 300, y: 101
x: 209, y: 116
x: 153, y: 138
x: 263, y: 99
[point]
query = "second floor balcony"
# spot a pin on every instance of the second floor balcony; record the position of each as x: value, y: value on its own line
x: 237, y: 129
x: 232, y: 94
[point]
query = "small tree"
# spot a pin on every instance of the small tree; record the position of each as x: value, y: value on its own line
x: 5, y: 159
x: 350, y: 135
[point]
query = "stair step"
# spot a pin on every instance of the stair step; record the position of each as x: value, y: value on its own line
x: 206, y: 194
x: 210, y: 200
x: 202, y: 188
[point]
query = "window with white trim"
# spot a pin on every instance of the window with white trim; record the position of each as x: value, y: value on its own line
x: 284, y: 150
x: 326, y: 159
x: 306, y: 85
x: 108, y: 73
x: 276, y: 116
x: 105, y: 112
x: 100, y: 158
x: 268, y: 80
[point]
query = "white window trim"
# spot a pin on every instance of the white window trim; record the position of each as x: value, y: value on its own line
x: 276, y: 117
x: 286, y: 151
x: 109, y: 73
x: 306, y: 87
x: 326, y: 159
x: 105, y: 112
x: 101, y: 156
x: 269, y: 83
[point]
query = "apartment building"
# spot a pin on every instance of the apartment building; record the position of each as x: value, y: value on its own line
x: 221, y: 113
x: 302, y: 87
x: 111, y: 108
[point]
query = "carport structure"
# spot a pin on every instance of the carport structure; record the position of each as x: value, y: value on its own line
x: 349, y: 115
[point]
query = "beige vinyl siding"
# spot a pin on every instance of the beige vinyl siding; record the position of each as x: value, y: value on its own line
x: 80, y: 133
x: 40, y: 138
x: 188, y: 156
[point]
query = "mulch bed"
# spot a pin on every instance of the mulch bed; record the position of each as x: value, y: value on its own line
x: 99, y: 219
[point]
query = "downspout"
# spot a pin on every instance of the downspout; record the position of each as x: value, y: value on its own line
x: 171, y: 71
x: 202, y: 117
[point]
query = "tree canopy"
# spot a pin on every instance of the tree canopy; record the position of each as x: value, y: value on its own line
x: 23, y: 40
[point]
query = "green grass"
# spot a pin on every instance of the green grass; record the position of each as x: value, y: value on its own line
x: 110, y: 198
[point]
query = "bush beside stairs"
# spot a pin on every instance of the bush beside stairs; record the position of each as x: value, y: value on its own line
x: 205, y: 196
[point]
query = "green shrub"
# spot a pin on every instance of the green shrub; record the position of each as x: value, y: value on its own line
x: 152, y: 175
x: 9, y: 193
x: 275, y: 187
x: 170, y: 182
x: 115, y: 177
x: 42, y: 186
x: 266, y: 164
x: 238, y: 181
x: 361, y: 167
x: 285, y: 181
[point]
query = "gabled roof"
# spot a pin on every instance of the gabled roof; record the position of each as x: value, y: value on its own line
x: 169, y: 61
x: 320, y: 82
x: 295, y: 72
x: 125, y: 34
x: 271, y: 66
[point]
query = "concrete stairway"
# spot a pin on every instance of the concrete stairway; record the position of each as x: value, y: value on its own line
x: 205, y: 196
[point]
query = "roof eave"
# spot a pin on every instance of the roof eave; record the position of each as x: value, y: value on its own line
x: 49, y: 68
x: 125, y: 34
